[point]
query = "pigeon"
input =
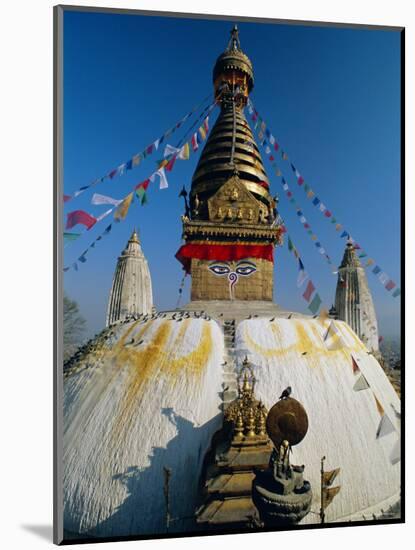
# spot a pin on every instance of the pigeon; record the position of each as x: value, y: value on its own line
x: 225, y: 363
x: 286, y: 393
x: 289, y: 316
x: 304, y: 353
x: 271, y: 320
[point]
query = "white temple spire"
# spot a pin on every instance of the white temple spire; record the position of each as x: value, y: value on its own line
x: 354, y: 302
x: 131, y: 291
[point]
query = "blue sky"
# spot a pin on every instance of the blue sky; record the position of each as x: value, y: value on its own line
x: 331, y: 97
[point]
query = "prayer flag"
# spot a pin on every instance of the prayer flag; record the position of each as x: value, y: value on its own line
x: 70, y: 236
x: 276, y: 146
x: 267, y: 150
x: 98, y: 199
x: 122, y: 210
x: 149, y: 149
x: 300, y: 180
x: 362, y: 255
x: 170, y: 164
x: 302, y: 276
x: 268, y: 133
x: 202, y: 133
x: 184, y: 152
x: 344, y: 234
x: 309, y: 291
x: 370, y: 262
x: 306, y: 187
x: 293, y: 167
x: 322, y: 207
x: 163, y: 180
x: 385, y: 427
x: 156, y: 144
x: 355, y: 366
x: 136, y: 159
x: 290, y: 244
x: 170, y: 150
x: 129, y: 165
x: 327, y: 213
x: 144, y: 199
x: 66, y: 198
x: 271, y: 158
x: 315, y: 304
x: 396, y: 293
x: 284, y: 155
x: 82, y: 258
x: 310, y: 194
x: 328, y: 495
x: 361, y: 384
x: 112, y: 173
x: 143, y: 185
x: 81, y: 217
x: 329, y: 477
x: 75, y: 266
x: 379, y: 406
x: 107, y: 229
x: 376, y: 270
x: 120, y: 169
x: 383, y: 277
x: 316, y: 201
x: 332, y: 338
x: 206, y: 124
x: 395, y: 455
x: 272, y: 139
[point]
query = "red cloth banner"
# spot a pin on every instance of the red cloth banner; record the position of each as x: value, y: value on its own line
x: 309, y: 291
x: 223, y: 252
x: 80, y: 216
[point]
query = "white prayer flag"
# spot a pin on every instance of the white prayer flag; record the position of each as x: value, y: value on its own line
x: 361, y: 384
x: 170, y: 150
x: 302, y: 277
x: 163, y: 180
x: 385, y: 426
x: 98, y: 199
x: 272, y: 139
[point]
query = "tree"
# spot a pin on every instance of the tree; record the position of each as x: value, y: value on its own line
x: 73, y: 327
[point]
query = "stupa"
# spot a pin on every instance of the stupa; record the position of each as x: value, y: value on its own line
x: 131, y: 293
x: 143, y: 403
x: 354, y: 303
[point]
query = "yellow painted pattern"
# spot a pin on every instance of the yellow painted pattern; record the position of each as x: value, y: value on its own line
x: 303, y: 343
x: 156, y: 359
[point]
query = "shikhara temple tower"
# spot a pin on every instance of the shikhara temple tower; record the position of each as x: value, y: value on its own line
x: 131, y: 292
x: 233, y: 225
x: 354, y: 302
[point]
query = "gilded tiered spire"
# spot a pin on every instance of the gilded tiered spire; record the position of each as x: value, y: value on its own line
x: 232, y: 225
x: 231, y: 148
x: 131, y: 291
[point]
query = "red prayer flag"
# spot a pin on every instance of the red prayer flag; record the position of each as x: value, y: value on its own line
x: 80, y: 216
x: 300, y: 180
x: 355, y: 366
x: 66, y: 198
x: 149, y: 149
x: 390, y: 285
x: 309, y: 291
x: 276, y: 146
x: 271, y: 157
x: 112, y: 173
x: 307, y: 226
x: 327, y: 213
x: 170, y: 164
x: 289, y: 194
x: 143, y: 184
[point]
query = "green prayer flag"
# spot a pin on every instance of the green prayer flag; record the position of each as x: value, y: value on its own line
x: 70, y: 236
x: 306, y: 187
x: 333, y: 220
x: 144, y: 199
x: 292, y: 201
x: 314, y: 305
x: 290, y: 244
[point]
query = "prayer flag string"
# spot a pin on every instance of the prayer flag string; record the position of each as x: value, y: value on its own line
x: 121, y: 206
x: 137, y: 158
x: 273, y: 147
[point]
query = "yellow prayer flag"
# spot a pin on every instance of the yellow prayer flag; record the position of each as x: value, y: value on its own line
x: 310, y: 194
x: 184, y: 152
x: 136, y: 159
x: 379, y: 407
x: 328, y: 495
x: 329, y: 477
x: 122, y: 210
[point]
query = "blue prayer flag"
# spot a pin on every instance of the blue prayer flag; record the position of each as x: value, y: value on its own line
x: 316, y: 201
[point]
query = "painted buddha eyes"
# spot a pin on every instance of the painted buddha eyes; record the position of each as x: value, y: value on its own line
x: 219, y: 269
x: 245, y: 269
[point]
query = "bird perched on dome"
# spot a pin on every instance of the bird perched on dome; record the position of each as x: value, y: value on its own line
x: 286, y: 393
